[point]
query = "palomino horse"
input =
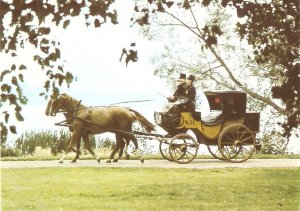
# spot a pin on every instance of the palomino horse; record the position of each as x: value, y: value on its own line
x: 95, y: 120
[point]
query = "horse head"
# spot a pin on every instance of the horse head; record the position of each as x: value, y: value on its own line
x: 55, y: 104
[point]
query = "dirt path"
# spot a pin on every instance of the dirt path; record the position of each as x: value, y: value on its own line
x: 196, y: 164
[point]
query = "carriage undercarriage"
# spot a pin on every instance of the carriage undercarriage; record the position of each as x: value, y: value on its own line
x: 236, y: 144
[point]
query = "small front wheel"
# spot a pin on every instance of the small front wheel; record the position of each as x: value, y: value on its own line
x: 183, y: 148
x: 164, y: 148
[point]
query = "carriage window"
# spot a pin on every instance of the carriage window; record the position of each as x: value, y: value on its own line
x: 215, y: 102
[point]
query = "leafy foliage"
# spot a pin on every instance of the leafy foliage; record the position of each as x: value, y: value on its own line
x: 30, y: 23
x: 9, y: 152
x: 273, y: 29
x: 131, y: 56
x: 29, y: 140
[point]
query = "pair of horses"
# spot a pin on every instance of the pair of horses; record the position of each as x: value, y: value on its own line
x: 84, y: 120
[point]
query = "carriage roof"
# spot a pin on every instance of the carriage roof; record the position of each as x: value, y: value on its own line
x: 225, y: 92
x: 220, y: 98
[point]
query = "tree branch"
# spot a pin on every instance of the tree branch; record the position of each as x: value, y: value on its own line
x: 248, y: 91
x: 184, y: 24
x: 230, y: 74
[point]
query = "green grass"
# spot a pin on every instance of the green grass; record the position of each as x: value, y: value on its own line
x: 150, y: 189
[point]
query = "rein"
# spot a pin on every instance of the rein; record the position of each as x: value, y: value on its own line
x: 133, y: 101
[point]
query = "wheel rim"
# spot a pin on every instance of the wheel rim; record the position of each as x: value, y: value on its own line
x: 183, y: 148
x: 164, y: 149
x: 236, y: 143
x: 215, y: 152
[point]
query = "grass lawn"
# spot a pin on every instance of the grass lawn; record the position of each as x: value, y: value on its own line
x: 150, y: 189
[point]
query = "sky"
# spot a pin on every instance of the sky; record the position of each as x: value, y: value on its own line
x: 92, y: 55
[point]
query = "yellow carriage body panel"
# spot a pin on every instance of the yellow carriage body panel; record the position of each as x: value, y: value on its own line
x: 208, y: 131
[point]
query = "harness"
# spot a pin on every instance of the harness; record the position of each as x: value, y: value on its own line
x: 66, y: 121
x: 89, y: 115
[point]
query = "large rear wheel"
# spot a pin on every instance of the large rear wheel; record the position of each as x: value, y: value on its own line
x: 236, y: 143
x: 183, y: 148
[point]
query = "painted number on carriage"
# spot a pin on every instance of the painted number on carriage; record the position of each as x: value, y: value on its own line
x: 188, y: 122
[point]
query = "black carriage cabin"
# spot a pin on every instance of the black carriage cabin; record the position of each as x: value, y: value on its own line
x: 229, y: 102
x: 233, y: 104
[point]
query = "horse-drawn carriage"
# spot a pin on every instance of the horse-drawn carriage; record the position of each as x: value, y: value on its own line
x: 229, y: 131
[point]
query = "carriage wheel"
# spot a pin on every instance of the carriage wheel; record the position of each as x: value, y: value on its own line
x: 164, y: 148
x: 183, y: 148
x: 236, y: 143
x: 215, y: 152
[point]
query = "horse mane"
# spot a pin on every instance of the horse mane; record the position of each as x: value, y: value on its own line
x: 70, y: 99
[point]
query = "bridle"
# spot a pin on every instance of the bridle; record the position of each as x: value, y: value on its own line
x: 66, y: 121
x: 51, y: 107
x: 59, y: 110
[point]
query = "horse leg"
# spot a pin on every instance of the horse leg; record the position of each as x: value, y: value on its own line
x: 138, y: 151
x: 77, y: 151
x: 127, y: 156
x: 121, y: 149
x: 87, y: 145
x: 75, y: 138
x: 116, y: 149
x: 72, y: 148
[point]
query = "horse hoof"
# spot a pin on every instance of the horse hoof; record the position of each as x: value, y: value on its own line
x: 61, y: 161
x: 127, y: 157
x: 108, y: 161
x: 98, y: 160
x: 142, y: 160
x: 115, y: 160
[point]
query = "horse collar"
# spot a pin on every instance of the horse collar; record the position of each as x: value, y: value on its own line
x: 89, y: 115
x: 76, y: 109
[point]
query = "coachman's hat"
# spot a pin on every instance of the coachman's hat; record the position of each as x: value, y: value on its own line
x: 191, y: 78
x: 182, y: 77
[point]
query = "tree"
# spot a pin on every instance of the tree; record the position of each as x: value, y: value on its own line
x: 199, y: 61
x: 272, y: 29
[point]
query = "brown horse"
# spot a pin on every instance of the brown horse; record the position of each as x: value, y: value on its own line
x: 95, y: 120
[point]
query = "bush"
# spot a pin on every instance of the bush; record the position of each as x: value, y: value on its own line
x: 274, y: 144
x: 9, y: 152
x: 56, y: 140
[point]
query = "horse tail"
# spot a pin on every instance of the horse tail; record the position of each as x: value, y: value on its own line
x: 146, y: 124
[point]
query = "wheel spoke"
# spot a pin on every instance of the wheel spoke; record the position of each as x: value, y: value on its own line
x: 245, y: 139
x: 242, y: 132
x: 227, y: 143
x: 230, y: 138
